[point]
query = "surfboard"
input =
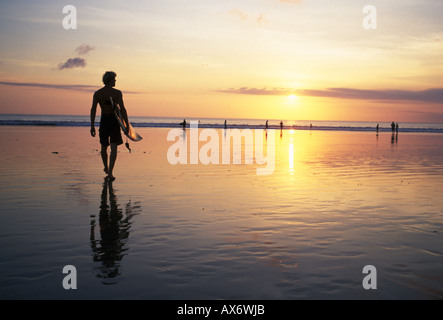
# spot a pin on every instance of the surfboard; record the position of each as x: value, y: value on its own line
x: 127, y: 128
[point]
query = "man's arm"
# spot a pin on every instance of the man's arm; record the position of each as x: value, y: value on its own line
x: 93, y: 113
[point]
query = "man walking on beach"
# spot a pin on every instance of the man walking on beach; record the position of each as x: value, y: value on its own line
x: 109, y: 132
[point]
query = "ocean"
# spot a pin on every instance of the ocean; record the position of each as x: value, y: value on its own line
x: 170, y: 122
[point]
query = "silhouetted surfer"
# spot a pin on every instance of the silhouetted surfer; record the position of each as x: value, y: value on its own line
x: 109, y: 133
x: 183, y: 123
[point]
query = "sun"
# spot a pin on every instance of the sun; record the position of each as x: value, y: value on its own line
x: 291, y: 100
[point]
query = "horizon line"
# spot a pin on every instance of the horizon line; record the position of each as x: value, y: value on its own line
x: 218, y: 118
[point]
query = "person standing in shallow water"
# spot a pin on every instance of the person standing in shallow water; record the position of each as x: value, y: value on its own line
x: 109, y: 132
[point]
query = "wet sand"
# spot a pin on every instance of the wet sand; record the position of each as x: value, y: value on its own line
x: 337, y: 201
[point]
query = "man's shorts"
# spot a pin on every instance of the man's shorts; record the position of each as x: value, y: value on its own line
x: 109, y: 131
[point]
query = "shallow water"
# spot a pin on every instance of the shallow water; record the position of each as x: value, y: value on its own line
x: 337, y: 201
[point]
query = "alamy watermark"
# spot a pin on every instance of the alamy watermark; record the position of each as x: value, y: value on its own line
x: 370, y: 20
x: 370, y: 281
x: 70, y: 281
x: 70, y: 20
x: 254, y: 144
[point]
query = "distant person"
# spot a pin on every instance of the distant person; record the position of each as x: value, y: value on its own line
x: 266, y: 124
x: 377, y: 128
x: 109, y: 133
x: 183, y: 123
x: 310, y: 126
x: 393, y: 126
x: 226, y: 125
x: 396, y: 127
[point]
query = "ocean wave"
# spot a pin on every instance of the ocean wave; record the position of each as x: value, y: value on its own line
x: 218, y: 124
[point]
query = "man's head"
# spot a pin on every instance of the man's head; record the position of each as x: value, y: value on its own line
x: 109, y: 78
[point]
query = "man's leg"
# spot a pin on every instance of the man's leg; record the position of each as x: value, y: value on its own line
x: 104, y: 153
x: 112, y: 159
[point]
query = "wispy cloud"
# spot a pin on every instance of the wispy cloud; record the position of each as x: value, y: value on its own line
x: 72, y: 63
x: 75, y: 87
x: 258, y: 91
x: 433, y: 95
x: 84, y: 49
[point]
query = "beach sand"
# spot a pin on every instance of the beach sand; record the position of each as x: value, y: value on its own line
x: 336, y: 202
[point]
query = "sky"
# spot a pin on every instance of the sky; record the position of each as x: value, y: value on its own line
x: 260, y: 59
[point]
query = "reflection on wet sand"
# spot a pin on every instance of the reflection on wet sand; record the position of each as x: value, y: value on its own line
x: 114, y: 226
x: 337, y: 201
x: 394, y: 137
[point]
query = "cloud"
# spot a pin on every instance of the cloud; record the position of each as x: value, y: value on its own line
x: 258, y: 91
x: 76, y: 62
x: 433, y: 95
x: 75, y: 87
x: 72, y: 63
x: 84, y: 49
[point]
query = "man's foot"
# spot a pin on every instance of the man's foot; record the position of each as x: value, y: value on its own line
x: 105, y: 170
x: 110, y: 177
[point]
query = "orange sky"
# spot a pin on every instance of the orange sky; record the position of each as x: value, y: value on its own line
x: 273, y: 59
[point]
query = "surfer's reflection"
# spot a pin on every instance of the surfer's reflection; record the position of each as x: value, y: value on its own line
x: 113, y: 226
x: 394, y: 137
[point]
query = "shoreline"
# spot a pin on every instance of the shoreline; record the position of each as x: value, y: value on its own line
x: 241, y: 127
x: 218, y: 123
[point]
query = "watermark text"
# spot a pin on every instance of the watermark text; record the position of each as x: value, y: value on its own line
x: 255, y: 141
x: 70, y: 20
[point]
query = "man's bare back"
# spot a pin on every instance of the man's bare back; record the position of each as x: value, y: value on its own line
x: 102, y: 98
